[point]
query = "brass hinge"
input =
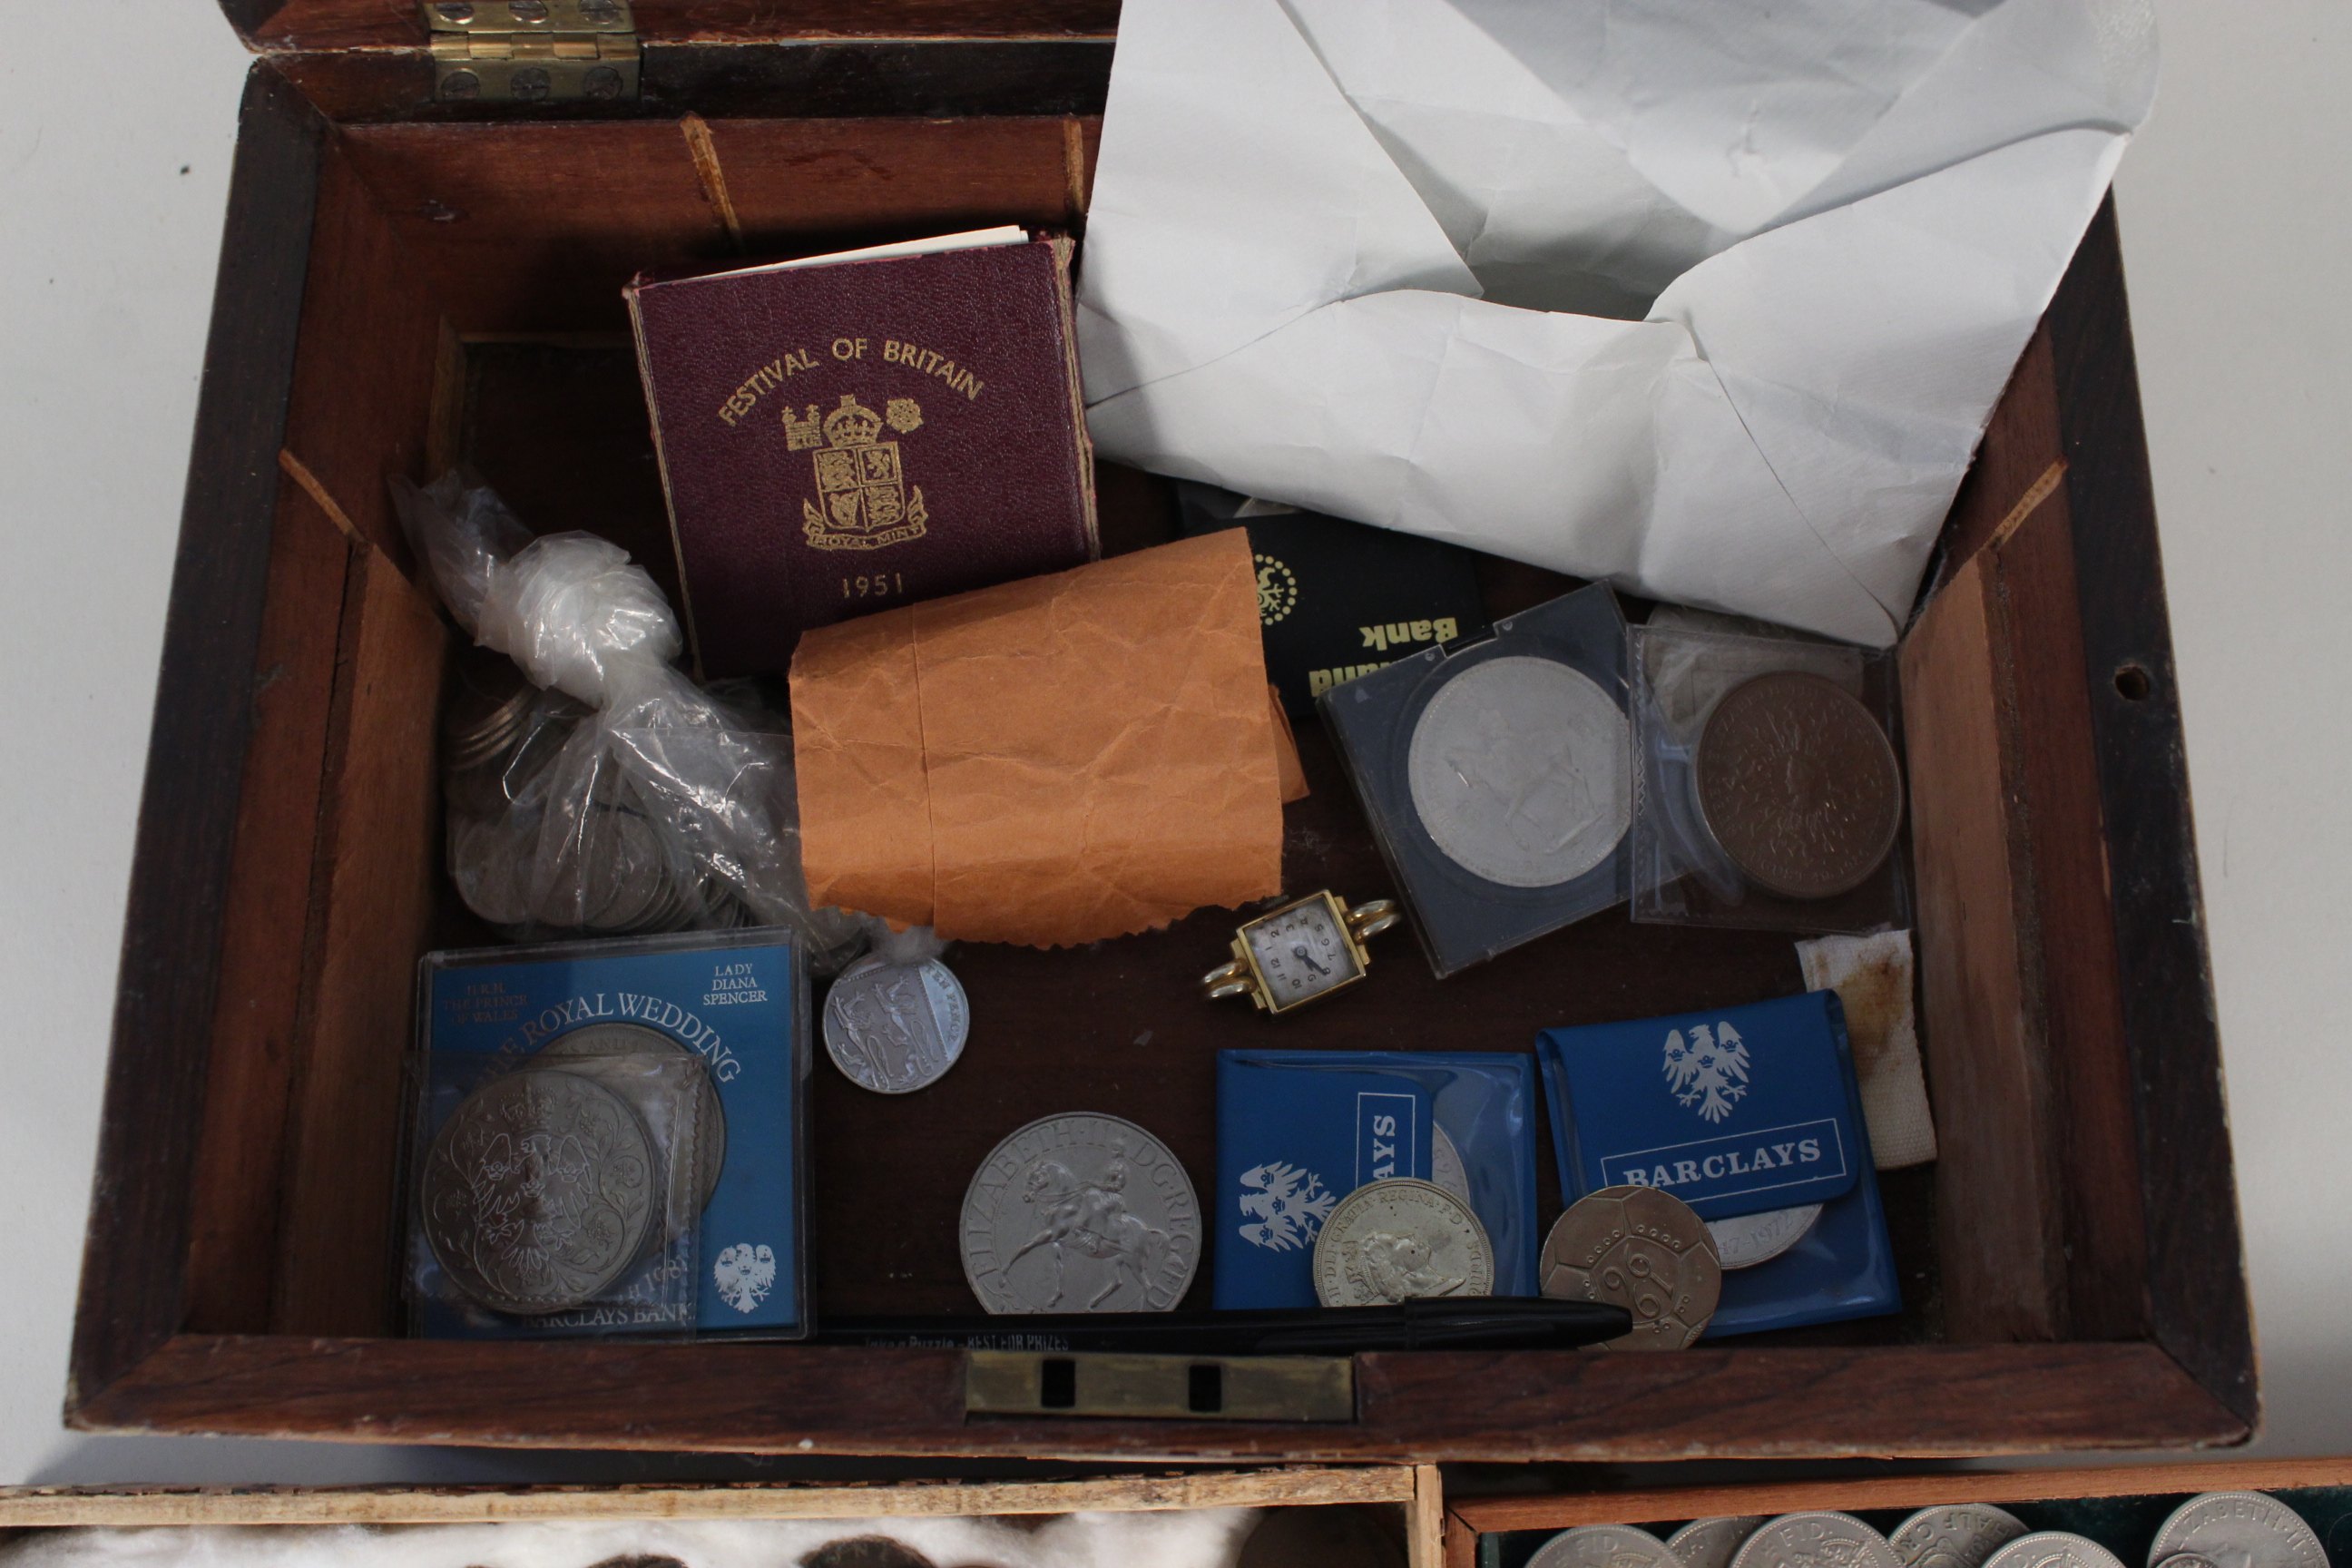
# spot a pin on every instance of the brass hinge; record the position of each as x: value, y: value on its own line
x: 1197, y: 1388
x: 532, y: 51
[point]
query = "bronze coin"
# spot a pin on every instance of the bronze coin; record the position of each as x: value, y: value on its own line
x: 1798, y: 785
x: 1643, y: 1250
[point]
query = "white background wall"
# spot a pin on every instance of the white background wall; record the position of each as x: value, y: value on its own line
x: 117, y: 120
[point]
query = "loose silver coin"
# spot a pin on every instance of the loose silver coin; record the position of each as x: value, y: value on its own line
x: 1641, y: 1249
x: 485, y: 861
x: 1710, y: 1543
x: 1604, y: 1546
x: 2240, y: 1530
x: 895, y: 1027
x: 1815, y: 1541
x: 1518, y: 771
x: 1401, y: 1240
x: 1958, y: 1535
x: 539, y: 1191
x: 594, y: 1052
x: 1080, y: 1213
x: 2053, y: 1549
x: 1446, y: 1165
x: 1746, y: 1240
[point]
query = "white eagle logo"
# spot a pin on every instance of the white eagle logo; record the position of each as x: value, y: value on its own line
x: 745, y: 1274
x: 1287, y: 1208
x: 1709, y: 1070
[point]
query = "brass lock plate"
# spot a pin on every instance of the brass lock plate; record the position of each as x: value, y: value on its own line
x: 1159, y: 1387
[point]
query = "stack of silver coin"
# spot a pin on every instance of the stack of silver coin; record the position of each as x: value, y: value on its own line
x: 523, y: 858
x: 2242, y: 1529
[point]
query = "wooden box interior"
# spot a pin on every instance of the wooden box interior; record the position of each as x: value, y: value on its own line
x: 459, y: 289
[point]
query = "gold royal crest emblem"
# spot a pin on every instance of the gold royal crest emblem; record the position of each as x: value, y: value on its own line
x: 860, y: 485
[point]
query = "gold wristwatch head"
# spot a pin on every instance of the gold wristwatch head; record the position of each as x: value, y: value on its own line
x: 1301, y: 952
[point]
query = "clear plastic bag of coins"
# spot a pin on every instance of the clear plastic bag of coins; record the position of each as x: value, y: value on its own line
x: 1769, y: 782
x: 606, y: 794
x: 557, y: 1194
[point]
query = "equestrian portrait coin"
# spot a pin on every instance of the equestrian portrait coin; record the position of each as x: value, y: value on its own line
x: 1080, y: 1213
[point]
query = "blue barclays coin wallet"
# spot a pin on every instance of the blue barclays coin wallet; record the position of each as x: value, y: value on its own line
x: 1298, y: 1131
x: 1735, y: 1110
x: 739, y: 1002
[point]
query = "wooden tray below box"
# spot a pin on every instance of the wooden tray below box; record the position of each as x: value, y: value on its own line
x: 1498, y: 1519
x: 1364, y: 1517
x: 398, y: 293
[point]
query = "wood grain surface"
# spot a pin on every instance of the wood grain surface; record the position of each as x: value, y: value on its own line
x: 536, y: 227
x: 2104, y: 1098
x: 1646, y: 1505
x: 1982, y: 1020
x: 133, y: 1267
x: 1923, y: 1400
x: 370, y: 912
x: 819, y: 78
x: 123, y: 1508
x: 2196, y: 1262
x: 394, y: 24
x: 241, y: 1156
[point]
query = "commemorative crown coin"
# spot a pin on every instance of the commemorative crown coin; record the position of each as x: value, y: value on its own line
x: 1798, y: 785
x: 538, y: 1192
x: 1080, y: 1213
x: 600, y: 1051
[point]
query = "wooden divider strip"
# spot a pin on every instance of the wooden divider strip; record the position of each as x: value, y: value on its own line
x: 1561, y: 1511
x: 124, y: 1507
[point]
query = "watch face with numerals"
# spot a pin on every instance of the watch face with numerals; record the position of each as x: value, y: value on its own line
x: 1302, y: 952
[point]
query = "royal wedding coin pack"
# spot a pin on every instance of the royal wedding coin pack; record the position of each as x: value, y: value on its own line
x: 1496, y: 772
x: 607, y: 1138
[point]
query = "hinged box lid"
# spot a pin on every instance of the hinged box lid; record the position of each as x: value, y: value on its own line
x: 322, y: 26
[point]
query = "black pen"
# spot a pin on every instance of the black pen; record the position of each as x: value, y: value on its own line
x: 1484, y: 1323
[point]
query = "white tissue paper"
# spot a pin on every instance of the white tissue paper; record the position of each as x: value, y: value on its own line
x: 1709, y: 299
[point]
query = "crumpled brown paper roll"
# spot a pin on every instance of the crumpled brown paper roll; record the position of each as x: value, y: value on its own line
x: 1054, y: 761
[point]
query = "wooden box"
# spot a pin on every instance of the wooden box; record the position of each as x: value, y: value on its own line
x: 406, y: 282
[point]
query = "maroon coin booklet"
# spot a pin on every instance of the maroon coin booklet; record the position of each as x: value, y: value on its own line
x: 851, y: 432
